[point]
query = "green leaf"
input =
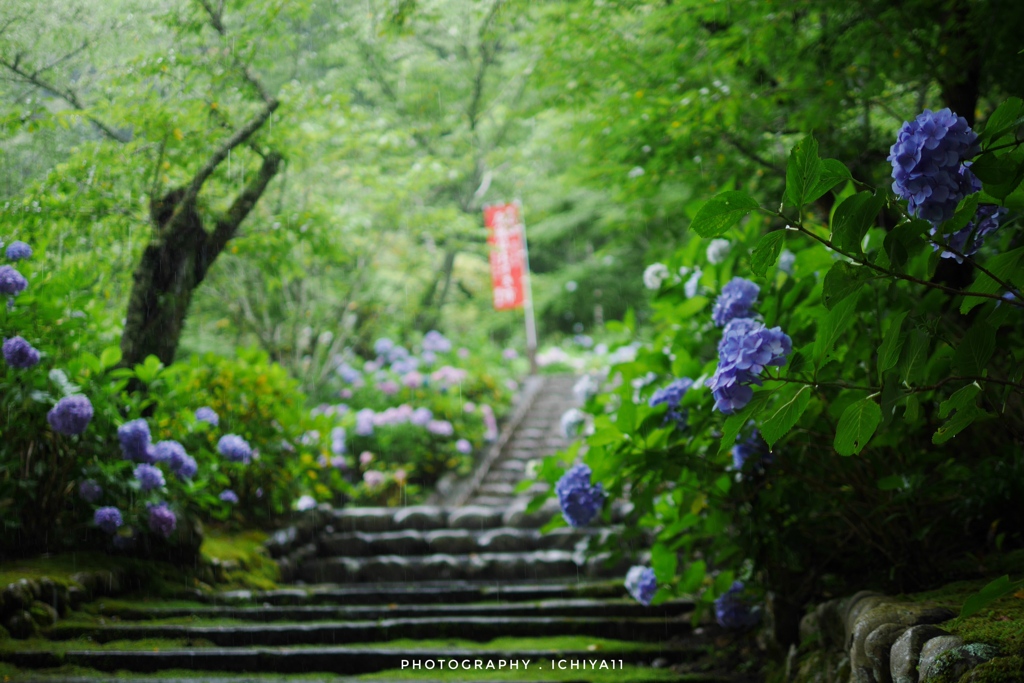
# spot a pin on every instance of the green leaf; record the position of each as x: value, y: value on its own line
x: 767, y: 252
x: 989, y: 594
x: 960, y: 421
x: 833, y: 326
x: 786, y: 413
x: 833, y: 172
x: 1003, y: 267
x: 110, y: 357
x: 852, y: 218
x: 961, y: 398
x: 993, y: 170
x: 1007, y: 116
x: 975, y: 350
x: 892, y: 344
x: 721, y: 212
x: 857, y: 426
x: 693, y: 577
x: 664, y: 562
x: 802, y: 172
x: 735, y: 422
x: 915, y: 354
x: 891, y: 483
x: 842, y: 280
x: 913, y: 409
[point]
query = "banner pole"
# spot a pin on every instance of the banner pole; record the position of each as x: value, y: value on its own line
x: 531, y: 322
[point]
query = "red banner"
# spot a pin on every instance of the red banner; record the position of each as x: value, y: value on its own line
x: 505, y: 232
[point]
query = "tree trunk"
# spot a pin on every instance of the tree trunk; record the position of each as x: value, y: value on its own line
x: 175, y: 262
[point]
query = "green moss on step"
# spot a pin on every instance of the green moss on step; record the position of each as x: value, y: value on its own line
x: 998, y: 670
x: 61, y: 646
x: 256, y: 570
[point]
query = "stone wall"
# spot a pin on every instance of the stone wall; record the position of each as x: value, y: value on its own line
x: 30, y: 604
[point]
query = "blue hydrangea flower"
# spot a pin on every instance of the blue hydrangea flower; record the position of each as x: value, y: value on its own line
x: 733, y: 612
x: 19, y: 353
x: 927, y: 164
x: 12, y: 282
x: 90, y: 491
x: 571, y: 422
x: 338, y: 441
x: 170, y: 452
x: 208, y: 415
x: 108, y: 519
x: 71, y: 415
x: 671, y: 396
x: 968, y: 239
x: 436, y: 342
x: 229, y: 496
x: 348, y: 374
x: 149, y: 477
x: 383, y: 346
x: 18, y: 250
x: 641, y: 584
x: 580, y: 500
x: 185, y: 468
x: 162, y: 520
x: 752, y: 449
x: 135, y: 440
x: 747, y: 347
x: 364, y: 422
x: 735, y: 301
x: 234, y: 448
x: 787, y: 260
x: 421, y: 417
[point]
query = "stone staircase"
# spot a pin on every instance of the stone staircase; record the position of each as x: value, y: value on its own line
x: 401, y: 593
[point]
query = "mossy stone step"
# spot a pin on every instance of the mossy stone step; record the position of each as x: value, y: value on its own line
x: 382, y: 630
x: 565, y: 608
x: 528, y: 566
x: 451, y: 592
x: 453, y: 541
x: 341, y: 660
x: 427, y: 517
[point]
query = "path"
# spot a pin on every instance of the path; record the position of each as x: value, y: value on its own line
x: 379, y: 588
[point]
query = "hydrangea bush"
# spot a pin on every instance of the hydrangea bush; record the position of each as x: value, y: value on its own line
x: 849, y: 367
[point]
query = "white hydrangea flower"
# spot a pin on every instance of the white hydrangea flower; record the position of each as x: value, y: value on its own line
x: 692, y: 285
x: 654, y: 275
x: 718, y: 249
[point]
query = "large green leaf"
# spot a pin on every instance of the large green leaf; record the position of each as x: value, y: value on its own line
x: 975, y: 350
x: 892, y: 344
x: 1005, y: 119
x: 802, y: 172
x: 833, y: 326
x: 852, y: 218
x: 1003, y: 266
x: 767, y: 252
x: 721, y: 212
x: 992, y: 591
x: 857, y: 426
x: 915, y: 355
x: 782, y: 416
x: 842, y: 280
x: 833, y: 172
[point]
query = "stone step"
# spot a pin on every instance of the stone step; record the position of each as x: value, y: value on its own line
x: 453, y: 541
x: 480, y: 629
x: 497, y: 476
x: 509, y: 465
x: 583, y: 607
x: 445, y: 592
x: 530, y: 566
x: 341, y: 660
x: 425, y: 518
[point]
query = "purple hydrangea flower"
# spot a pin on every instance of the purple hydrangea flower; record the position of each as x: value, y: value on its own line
x: 641, y: 584
x: 108, y: 519
x: 421, y: 417
x: 464, y: 446
x: 71, y: 415
x: 338, y: 441
x: 235, y: 448
x: 19, y: 353
x: 580, y: 500
x: 735, y: 301
x: 170, y: 452
x: 490, y: 423
x: 229, y: 496
x: 436, y: 342
x: 12, y: 282
x: 383, y: 346
x: 124, y: 540
x: 135, y: 440
x: 90, y: 491
x: 208, y: 415
x: 440, y: 427
x: 348, y: 374
x: 149, y: 477
x: 752, y: 449
x: 671, y: 396
x: 185, y: 468
x: 373, y: 478
x: 733, y: 612
x: 968, y: 239
x: 18, y: 250
x: 510, y: 354
x: 746, y: 348
x: 162, y: 520
x: 364, y: 422
x: 927, y: 164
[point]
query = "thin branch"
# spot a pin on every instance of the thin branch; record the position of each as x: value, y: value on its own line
x: 751, y: 154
